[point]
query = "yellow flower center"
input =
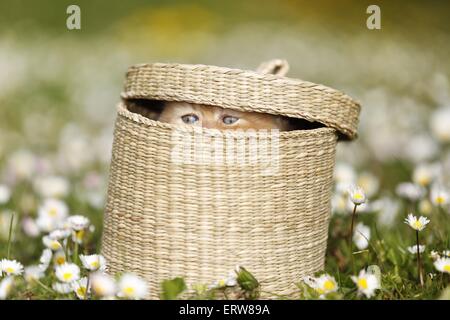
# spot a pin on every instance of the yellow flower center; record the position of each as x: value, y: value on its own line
x: 329, y: 285
x: 424, y: 180
x: 221, y: 283
x: 81, y: 291
x: 9, y: 270
x: 55, y: 245
x: 67, y: 276
x: 52, y: 212
x: 417, y: 224
x: 95, y: 264
x: 362, y: 283
x: 440, y: 200
x: 358, y: 196
x: 128, y: 291
x: 79, y: 235
x: 98, y: 289
x: 447, y: 268
x: 60, y: 260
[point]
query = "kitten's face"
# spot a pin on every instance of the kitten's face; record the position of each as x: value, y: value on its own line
x: 219, y: 118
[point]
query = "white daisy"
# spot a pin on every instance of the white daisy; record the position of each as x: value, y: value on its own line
x: 59, y: 234
x: 51, y: 186
x: 323, y: 285
x: 5, y: 287
x: 33, y: 273
x: 439, y: 196
x: 229, y: 281
x: 369, y: 183
x: 413, y: 249
x: 30, y: 228
x: 52, y: 244
x: 425, y: 207
x: 131, y: 286
x: 11, y: 267
x: 63, y: 288
x: 67, y: 272
x: 357, y: 195
x: 5, y: 194
x: 59, y: 258
x: 51, y: 214
x: 93, y: 262
x: 102, y: 285
x: 434, y: 255
x: 78, y: 222
x: 416, y: 224
x: 410, y: 191
x: 440, y: 124
x: 44, y: 260
x: 80, y: 288
x: 424, y: 174
x: 367, y: 283
x: 442, y: 265
x: 361, y: 236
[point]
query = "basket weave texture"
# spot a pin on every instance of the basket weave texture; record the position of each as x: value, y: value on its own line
x: 165, y: 218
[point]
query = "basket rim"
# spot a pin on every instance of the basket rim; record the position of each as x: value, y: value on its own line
x: 243, y: 90
x: 140, y: 119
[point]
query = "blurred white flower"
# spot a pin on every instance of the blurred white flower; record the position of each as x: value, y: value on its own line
x: 59, y: 234
x: 11, y: 267
x: 61, y: 287
x: 44, y: 260
x: 424, y: 174
x: 361, y: 236
x: 229, y: 281
x: 131, y: 286
x: 103, y: 285
x: 339, y: 203
x: 344, y: 173
x: 30, y: 227
x: 434, y: 255
x: 387, y: 209
x: 367, y: 283
x: 420, y: 148
x: 33, y: 273
x: 67, y: 272
x: 59, y: 258
x: 5, y: 287
x: 439, y: 196
x: 80, y: 288
x: 93, y: 262
x: 51, y: 214
x: 369, y: 183
x: 425, y: 207
x: 357, y: 195
x: 440, y: 124
x: 442, y: 265
x: 52, y: 244
x: 446, y: 253
x: 22, y: 164
x: 413, y: 249
x: 410, y: 191
x: 51, y: 186
x: 322, y: 285
x: 417, y: 224
x: 5, y: 194
x: 78, y: 222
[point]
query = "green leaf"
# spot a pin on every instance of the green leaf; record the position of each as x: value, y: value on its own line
x: 171, y: 289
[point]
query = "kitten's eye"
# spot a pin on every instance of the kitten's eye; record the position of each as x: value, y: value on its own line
x: 189, y: 118
x: 229, y: 119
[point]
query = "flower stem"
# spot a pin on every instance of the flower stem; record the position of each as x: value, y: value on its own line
x: 350, y: 238
x: 75, y: 252
x: 419, y: 265
x: 10, y: 235
x: 87, y: 286
x: 44, y: 286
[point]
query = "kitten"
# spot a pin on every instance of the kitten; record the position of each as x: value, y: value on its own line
x: 219, y: 118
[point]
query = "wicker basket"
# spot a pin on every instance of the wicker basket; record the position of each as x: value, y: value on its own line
x: 198, y: 220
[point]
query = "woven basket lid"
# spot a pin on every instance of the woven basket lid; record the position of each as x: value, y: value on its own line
x: 265, y: 90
